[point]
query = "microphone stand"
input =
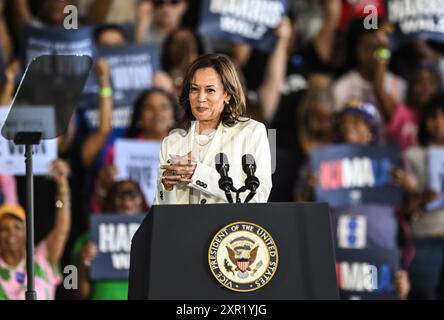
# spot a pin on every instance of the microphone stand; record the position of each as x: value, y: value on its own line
x: 238, y: 192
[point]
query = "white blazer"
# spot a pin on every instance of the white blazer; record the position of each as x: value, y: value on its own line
x: 243, y: 138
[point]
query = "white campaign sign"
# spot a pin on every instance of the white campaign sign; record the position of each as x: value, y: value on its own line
x: 12, y: 159
x: 352, y: 231
x: 436, y: 176
x: 138, y: 161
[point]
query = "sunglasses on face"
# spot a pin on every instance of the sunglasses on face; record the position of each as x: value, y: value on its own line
x: 163, y: 2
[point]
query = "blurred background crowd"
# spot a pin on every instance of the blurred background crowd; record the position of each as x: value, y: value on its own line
x: 327, y: 80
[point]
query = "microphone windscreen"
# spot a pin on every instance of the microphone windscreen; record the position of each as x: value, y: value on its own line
x: 221, y: 160
x: 248, y: 159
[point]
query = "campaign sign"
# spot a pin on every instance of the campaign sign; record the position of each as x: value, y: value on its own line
x: 436, y: 176
x: 132, y: 68
x: 417, y: 18
x: 367, y: 274
x: 352, y: 231
x: 351, y: 174
x: 12, y: 156
x: 245, y: 21
x: 138, y: 161
x: 112, y: 233
x: 88, y: 112
x: 54, y: 40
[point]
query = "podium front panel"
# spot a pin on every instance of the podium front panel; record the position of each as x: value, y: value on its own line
x: 169, y: 258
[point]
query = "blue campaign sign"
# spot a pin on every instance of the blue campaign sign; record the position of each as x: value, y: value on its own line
x: 132, y: 68
x: 56, y: 40
x: 367, y: 274
x: 351, y: 174
x: 245, y: 21
x: 87, y: 118
x: 112, y: 233
x: 417, y: 18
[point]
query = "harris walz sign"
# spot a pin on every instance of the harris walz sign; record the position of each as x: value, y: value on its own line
x: 112, y: 233
x: 246, y: 21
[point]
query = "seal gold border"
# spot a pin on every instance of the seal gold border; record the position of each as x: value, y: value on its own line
x: 257, y: 226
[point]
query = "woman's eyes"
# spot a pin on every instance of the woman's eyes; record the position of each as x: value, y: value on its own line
x: 208, y: 90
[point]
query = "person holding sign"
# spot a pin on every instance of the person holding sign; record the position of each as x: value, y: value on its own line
x: 214, y: 122
x: 427, y: 223
x: 47, y: 253
x: 153, y: 117
x: 364, y: 225
x: 124, y: 197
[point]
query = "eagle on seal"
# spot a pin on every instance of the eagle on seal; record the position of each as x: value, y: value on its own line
x: 242, y: 256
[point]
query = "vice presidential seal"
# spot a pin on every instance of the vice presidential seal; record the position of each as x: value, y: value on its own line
x: 243, y: 256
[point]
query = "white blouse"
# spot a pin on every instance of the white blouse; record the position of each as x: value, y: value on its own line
x: 201, y: 145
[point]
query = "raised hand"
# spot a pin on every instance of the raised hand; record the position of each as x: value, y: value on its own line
x: 102, y: 69
x: 60, y: 171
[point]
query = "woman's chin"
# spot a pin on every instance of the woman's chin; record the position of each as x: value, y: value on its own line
x: 202, y: 118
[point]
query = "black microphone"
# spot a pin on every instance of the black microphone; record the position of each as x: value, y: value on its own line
x: 251, y: 182
x: 225, y: 182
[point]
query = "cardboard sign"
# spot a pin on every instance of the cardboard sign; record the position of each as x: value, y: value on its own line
x: 12, y: 159
x: 351, y: 174
x: 367, y: 274
x: 245, y: 21
x: 42, y: 41
x: 138, y: 161
x: 112, y: 233
x: 417, y: 18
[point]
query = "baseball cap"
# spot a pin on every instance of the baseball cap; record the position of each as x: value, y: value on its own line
x: 14, y: 210
x: 366, y: 111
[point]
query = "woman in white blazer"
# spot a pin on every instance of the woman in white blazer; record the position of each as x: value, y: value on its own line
x: 214, y: 122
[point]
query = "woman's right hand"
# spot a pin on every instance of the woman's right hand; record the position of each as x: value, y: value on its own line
x: 88, y: 253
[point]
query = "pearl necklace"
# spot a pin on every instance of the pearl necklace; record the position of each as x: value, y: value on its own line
x: 203, y: 139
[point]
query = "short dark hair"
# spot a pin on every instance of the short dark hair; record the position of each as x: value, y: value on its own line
x: 435, y: 105
x: 221, y: 63
x: 109, y: 27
